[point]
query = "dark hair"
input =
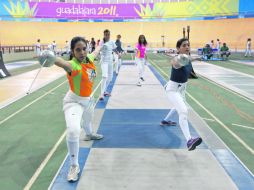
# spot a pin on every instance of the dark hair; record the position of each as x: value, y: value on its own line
x: 73, y: 43
x: 118, y: 36
x: 38, y: 40
x: 224, y: 44
x: 104, y: 32
x: 139, y: 40
x: 218, y: 39
x: 179, y: 42
x: 249, y: 39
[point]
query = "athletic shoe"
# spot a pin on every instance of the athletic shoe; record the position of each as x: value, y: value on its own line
x: 107, y: 94
x: 142, y: 79
x: 193, y: 143
x: 73, y: 173
x: 167, y: 123
x: 93, y: 137
x: 139, y: 84
x: 101, y: 98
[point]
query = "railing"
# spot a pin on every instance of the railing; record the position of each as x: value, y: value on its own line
x: 17, y: 49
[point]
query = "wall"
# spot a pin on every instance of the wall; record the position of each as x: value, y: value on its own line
x: 233, y: 31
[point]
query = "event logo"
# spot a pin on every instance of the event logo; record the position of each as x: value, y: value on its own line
x: 82, y: 10
x: 21, y: 9
x: 157, y: 11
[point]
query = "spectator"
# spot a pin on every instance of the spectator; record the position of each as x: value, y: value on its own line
x: 38, y: 47
x: 92, y: 44
x: 98, y: 42
x: 54, y: 46
x: 248, y: 47
x: 207, y: 52
x: 67, y: 48
x: 212, y: 44
x: 218, y: 44
x: 224, y: 50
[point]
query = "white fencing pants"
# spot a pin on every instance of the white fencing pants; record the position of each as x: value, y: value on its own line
x: 140, y: 62
x: 107, y: 76
x: 176, y: 95
x: 78, y: 113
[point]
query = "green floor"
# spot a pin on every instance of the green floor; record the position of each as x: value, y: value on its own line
x: 226, y: 106
x: 247, y: 69
x: 27, y: 137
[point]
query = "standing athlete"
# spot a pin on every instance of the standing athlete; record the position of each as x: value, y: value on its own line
x: 141, y: 58
x: 106, y: 63
x: 175, y: 89
x: 118, y: 54
x: 77, y: 104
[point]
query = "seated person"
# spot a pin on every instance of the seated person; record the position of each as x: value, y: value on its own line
x: 224, y: 50
x: 207, y: 52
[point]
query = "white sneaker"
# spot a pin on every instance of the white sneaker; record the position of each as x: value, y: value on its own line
x: 93, y: 137
x: 139, y: 84
x: 73, y: 173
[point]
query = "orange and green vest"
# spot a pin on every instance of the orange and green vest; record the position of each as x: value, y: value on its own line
x: 81, y: 77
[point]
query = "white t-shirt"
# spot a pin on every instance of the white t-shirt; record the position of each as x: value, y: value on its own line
x: 50, y: 47
x: 107, y: 51
x: 248, y: 45
x: 68, y: 47
x: 54, y: 46
x: 38, y: 48
x: 218, y: 45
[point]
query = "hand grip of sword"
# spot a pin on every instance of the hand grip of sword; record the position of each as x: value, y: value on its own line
x: 46, y: 59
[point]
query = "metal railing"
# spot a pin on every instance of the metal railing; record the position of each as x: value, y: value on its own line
x: 18, y: 49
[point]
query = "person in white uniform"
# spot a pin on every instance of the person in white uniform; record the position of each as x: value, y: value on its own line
x: 106, y: 63
x: 248, y: 48
x: 118, y: 54
x: 38, y: 47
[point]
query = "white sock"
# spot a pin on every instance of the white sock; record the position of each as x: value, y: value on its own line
x: 184, y: 126
x: 73, y: 149
x: 170, y: 113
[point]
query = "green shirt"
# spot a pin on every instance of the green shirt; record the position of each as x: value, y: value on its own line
x: 224, y: 48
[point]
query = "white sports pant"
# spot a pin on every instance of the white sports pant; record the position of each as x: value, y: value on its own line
x: 140, y: 62
x: 248, y: 51
x: 118, y: 63
x: 176, y: 95
x: 37, y: 51
x: 78, y: 113
x: 107, y: 76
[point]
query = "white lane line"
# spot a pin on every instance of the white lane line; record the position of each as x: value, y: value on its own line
x: 243, y: 126
x: 227, y: 89
x: 50, y: 154
x: 207, y: 119
x: 43, y: 164
x: 216, y: 119
x: 223, y: 125
x: 37, y: 99
x: 59, y: 169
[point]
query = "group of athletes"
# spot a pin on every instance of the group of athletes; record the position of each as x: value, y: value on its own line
x: 81, y: 71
